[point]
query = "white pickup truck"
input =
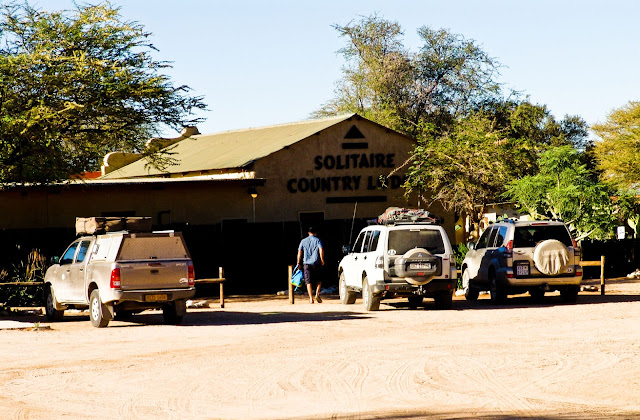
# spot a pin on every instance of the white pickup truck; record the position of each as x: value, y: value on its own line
x: 118, y: 274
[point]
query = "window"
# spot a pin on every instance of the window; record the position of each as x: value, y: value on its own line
x: 367, y: 242
x: 67, y: 257
x: 501, y: 232
x: 482, y: 242
x: 358, y: 245
x: 375, y: 237
x: 403, y: 240
x: 530, y: 236
x: 82, y: 252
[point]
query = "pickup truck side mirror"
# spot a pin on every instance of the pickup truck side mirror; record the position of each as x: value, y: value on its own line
x: 55, y: 260
x: 346, y: 249
x: 471, y: 245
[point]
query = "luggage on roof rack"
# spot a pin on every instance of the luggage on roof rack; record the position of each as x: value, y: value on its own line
x: 100, y: 225
x: 405, y: 215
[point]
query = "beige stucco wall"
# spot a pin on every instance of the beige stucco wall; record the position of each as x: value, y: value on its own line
x: 194, y: 203
x: 279, y: 199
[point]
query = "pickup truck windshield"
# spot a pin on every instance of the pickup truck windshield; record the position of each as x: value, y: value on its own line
x: 151, y: 248
x: 405, y: 239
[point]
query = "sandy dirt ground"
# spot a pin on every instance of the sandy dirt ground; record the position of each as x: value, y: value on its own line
x: 263, y: 358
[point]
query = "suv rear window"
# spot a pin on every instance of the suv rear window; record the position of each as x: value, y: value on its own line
x: 405, y: 239
x: 529, y: 236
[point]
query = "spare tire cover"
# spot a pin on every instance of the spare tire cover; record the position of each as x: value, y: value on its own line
x: 551, y: 257
x: 418, y: 253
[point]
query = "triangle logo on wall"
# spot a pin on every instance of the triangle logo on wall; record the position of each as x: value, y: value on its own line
x: 354, y: 133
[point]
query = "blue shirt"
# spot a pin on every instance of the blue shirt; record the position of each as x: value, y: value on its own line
x: 310, y: 247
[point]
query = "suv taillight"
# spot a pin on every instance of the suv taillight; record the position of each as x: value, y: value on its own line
x: 192, y: 275
x: 509, y: 252
x: 380, y: 261
x: 115, y: 278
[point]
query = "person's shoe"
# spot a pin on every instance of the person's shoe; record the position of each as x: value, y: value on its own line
x: 311, y: 301
x: 318, y: 299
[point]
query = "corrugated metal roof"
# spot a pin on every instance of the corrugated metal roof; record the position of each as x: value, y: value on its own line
x: 230, y: 149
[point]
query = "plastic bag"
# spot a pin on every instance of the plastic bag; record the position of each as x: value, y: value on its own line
x: 297, y: 277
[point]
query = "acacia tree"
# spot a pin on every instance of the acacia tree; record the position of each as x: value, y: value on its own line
x: 406, y: 90
x: 77, y: 84
x: 565, y: 189
x: 618, y: 154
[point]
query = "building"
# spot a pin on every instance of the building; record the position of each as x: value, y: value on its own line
x: 242, y: 198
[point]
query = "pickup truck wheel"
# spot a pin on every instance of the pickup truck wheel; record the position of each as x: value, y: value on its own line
x: 414, y: 301
x: 470, y: 293
x: 53, y: 314
x: 498, y: 294
x: 347, y: 296
x: 371, y: 302
x: 97, y: 310
x: 443, y: 300
x: 170, y: 314
x: 570, y: 294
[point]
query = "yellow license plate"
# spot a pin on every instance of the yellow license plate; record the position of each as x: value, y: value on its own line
x: 155, y: 298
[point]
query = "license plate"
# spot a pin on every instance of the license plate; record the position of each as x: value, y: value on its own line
x: 419, y: 266
x: 522, y: 270
x: 155, y: 298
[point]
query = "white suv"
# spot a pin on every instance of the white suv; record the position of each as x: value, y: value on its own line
x: 514, y: 256
x: 409, y: 259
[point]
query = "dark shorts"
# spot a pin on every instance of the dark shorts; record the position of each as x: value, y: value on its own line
x: 312, y: 274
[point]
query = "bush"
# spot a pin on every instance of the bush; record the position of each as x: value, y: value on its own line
x: 30, y: 270
x: 460, y: 252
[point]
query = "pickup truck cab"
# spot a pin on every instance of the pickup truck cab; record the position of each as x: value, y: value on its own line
x: 121, y: 273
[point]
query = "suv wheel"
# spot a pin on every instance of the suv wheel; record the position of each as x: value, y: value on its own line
x: 414, y: 301
x: 443, y: 300
x: 371, y: 302
x: 570, y: 294
x: 347, y: 296
x: 537, y: 294
x: 498, y: 294
x: 469, y: 292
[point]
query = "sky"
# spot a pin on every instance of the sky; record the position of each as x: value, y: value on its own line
x: 260, y: 63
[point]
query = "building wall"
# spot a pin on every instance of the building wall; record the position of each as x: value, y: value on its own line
x: 325, y: 173
x: 318, y: 175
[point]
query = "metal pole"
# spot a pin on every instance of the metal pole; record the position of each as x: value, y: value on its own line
x: 602, y: 275
x: 253, y: 200
x: 291, y: 297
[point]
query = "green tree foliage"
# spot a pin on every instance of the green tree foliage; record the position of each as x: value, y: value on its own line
x: 471, y: 141
x: 618, y: 154
x: 407, y: 90
x: 75, y: 85
x: 467, y: 167
x: 565, y: 189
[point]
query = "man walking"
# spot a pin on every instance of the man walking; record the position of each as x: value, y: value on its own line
x: 311, y: 257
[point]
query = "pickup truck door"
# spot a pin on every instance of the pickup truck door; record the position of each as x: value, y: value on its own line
x: 62, y: 276
x: 76, y: 270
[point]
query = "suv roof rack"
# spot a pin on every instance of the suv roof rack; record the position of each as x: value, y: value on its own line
x: 435, y: 221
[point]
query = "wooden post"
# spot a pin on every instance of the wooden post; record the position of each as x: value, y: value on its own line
x: 602, y: 275
x: 221, y: 275
x: 291, y: 297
